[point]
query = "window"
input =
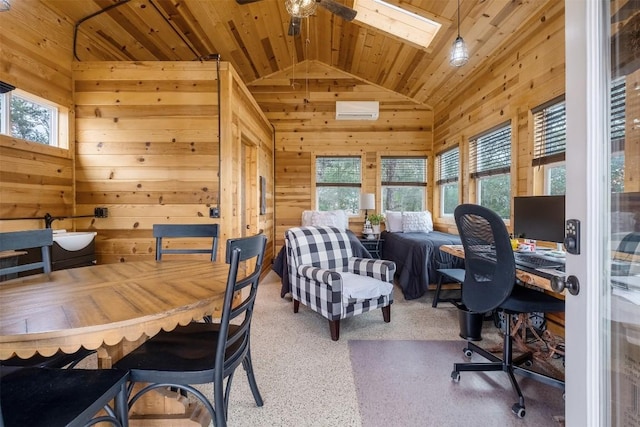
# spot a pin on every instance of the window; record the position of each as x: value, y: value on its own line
x: 338, y: 182
x: 618, y: 123
x: 28, y: 117
x: 448, y: 164
x: 399, y: 22
x: 404, y: 181
x: 490, y: 162
x: 549, y: 144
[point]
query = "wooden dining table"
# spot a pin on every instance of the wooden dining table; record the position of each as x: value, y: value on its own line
x: 104, y: 305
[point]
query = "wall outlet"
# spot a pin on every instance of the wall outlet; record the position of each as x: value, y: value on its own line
x: 214, y: 213
x: 101, y: 212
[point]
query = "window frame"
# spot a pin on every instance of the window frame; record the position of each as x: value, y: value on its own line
x: 56, y: 125
x: 411, y: 184
x: 491, y: 168
x: 549, y: 130
x: 445, y: 181
x: 316, y: 185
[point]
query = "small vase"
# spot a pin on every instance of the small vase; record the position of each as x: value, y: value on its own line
x: 376, y: 229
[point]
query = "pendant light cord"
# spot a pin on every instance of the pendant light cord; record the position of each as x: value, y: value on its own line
x: 458, y: 18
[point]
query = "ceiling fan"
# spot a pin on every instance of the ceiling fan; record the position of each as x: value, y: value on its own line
x: 299, y: 9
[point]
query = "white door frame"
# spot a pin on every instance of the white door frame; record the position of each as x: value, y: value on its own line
x: 587, y: 70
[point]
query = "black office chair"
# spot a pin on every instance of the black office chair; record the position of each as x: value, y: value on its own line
x: 490, y: 284
x: 201, y: 353
x: 42, y: 239
x: 44, y: 397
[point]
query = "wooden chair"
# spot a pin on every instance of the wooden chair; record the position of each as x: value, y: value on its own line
x: 201, y: 353
x: 43, y: 397
x: 43, y: 239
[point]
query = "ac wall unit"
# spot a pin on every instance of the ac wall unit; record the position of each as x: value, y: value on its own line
x: 357, y: 110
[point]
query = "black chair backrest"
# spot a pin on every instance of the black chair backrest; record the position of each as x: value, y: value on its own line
x: 630, y: 244
x: 250, y: 252
x: 490, y: 268
x: 161, y: 231
x: 20, y: 240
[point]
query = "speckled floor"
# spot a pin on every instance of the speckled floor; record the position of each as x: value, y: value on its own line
x: 307, y: 380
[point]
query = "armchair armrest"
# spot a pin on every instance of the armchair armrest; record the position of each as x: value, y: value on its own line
x: 329, y: 278
x: 377, y: 268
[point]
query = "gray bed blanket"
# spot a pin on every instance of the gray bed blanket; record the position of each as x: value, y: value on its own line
x: 280, y: 262
x: 417, y: 257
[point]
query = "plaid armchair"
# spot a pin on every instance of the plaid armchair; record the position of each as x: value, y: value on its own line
x: 326, y: 277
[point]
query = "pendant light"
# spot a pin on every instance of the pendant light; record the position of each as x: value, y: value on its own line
x: 459, y: 52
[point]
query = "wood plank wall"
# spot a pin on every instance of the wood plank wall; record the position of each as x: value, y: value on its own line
x: 148, y: 149
x: 527, y: 74
x: 303, y: 115
x: 35, y: 56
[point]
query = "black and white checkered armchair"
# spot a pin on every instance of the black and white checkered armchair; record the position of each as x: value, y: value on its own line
x: 326, y: 277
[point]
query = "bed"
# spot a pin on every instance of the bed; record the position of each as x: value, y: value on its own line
x: 414, y: 247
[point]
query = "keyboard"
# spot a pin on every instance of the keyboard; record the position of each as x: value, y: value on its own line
x: 536, y: 261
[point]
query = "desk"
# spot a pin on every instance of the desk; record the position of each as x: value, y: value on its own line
x: 530, y: 278
x: 526, y: 276
x: 105, y: 304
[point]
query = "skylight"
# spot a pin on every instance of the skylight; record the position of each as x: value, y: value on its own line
x: 399, y: 22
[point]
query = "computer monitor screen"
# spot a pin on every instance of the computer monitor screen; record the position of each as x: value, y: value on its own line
x: 539, y: 218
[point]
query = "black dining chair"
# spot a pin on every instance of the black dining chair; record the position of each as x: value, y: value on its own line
x: 201, y: 353
x: 490, y: 284
x: 186, y: 231
x: 181, y: 231
x: 42, y: 240
x: 44, y: 397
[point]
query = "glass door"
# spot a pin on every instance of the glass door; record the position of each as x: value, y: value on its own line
x: 603, y: 189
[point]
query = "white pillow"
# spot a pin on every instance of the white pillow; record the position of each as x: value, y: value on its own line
x: 417, y: 221
x: 337, y: 218
x: 306, y: 218
x: 393, y: 221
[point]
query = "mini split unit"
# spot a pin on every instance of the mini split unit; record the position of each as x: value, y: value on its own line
x: 357, y: 110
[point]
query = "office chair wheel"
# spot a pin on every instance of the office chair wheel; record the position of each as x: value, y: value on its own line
x: 518, y: 410
x: 468, y: 353
x: 455, y: 376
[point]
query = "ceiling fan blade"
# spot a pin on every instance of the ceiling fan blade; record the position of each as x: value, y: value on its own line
x: 336, y: 8
x: 294, y: 26
x: 246, y: 1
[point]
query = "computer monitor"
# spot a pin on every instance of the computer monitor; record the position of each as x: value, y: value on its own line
x: 539, y: 218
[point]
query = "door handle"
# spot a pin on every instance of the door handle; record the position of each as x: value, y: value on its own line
x: 571, y: 283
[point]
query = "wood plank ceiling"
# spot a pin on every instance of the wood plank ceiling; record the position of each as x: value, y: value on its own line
x: 253, y: 37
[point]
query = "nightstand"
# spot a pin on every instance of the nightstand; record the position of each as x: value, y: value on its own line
x: 374, y: 246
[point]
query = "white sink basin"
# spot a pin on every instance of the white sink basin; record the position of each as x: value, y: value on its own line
x: 74, y: 240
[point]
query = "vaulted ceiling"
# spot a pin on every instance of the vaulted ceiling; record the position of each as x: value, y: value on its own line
x: 253, y: 37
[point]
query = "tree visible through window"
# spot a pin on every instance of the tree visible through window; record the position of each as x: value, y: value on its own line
x: 404, y: 180
x: 28, y: 118
x: 549, y: 144
x: 490, y: 164
x: 338, y: 182
x: 448, y: 164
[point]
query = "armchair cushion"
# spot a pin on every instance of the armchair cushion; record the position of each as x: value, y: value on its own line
x: 357, y: 287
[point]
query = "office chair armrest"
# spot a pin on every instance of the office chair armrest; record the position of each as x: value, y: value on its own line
x: 376, y: 268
